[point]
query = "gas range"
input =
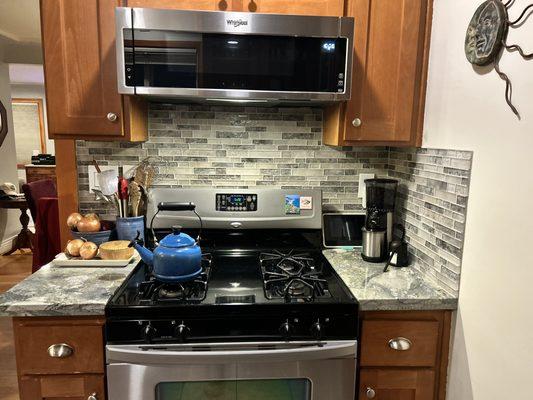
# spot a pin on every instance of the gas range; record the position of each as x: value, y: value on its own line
x: 266, y: 318
x: 245, y: 292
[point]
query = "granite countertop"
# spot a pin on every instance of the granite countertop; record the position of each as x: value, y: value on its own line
x: 61, y: 291
x: 397, y: 289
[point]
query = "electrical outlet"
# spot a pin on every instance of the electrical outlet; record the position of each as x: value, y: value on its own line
x: 93, y: 180
x: 361, y: 193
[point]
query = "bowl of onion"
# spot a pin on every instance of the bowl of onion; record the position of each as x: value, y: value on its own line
x: 88, y: 227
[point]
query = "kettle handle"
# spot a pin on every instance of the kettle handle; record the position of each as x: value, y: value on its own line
x: 136, y: 240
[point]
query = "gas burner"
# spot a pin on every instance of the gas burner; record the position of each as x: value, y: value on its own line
x: 193, y: 291
x: 293, y: 276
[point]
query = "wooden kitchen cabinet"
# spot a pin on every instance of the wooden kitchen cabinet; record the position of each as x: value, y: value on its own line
x: 391, y: 50
x: 201, y: 5
x: 77, y: 369
x: 396, y: 384
x: 72, y: 387
x: 301, y: 7
x: 81, y: 74
x: 414, y: 371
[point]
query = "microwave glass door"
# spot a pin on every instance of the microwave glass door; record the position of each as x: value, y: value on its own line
x: 168, y: 59
x: 258, y: 389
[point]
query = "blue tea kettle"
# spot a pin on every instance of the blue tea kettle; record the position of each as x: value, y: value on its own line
x: 178, y: 257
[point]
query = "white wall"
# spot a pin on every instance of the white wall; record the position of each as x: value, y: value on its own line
x: 9, y: 223
x: 492, y: 356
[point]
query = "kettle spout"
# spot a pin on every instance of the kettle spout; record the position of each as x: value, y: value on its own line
x: 146, y: 255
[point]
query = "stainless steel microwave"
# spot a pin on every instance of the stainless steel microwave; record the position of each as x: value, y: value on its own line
x: 233, y: 56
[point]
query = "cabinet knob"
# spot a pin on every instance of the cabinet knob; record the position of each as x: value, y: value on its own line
x: 222, y: 5
x: 92, y: 397
x: 252, y: 6
x: 400, y: 344
x: 370, y: 393
x: 61, y: 350
x: 112, y: 117
x: 356, y: 122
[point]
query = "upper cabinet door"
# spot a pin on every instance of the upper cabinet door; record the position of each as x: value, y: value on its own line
x: 299, y: 7
x: 80, y: 67
x: 390, y: 60
x: 201, y: 5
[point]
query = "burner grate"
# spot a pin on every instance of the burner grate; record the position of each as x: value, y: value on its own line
x: 193, y: 291
x: 293, y: 276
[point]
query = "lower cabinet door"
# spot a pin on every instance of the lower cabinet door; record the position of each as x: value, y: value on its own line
x: 396, y: 384
x: 72, y: 387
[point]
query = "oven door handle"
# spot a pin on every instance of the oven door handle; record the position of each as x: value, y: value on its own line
x: 229, y: 352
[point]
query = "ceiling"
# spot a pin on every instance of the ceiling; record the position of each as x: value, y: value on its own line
x: 20, y: 32
x: 20, y: 21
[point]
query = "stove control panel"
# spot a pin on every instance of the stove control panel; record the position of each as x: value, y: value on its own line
x: 236, y: 202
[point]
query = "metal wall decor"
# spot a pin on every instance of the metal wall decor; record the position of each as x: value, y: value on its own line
x: 3, y: 123
x: 486, y: 37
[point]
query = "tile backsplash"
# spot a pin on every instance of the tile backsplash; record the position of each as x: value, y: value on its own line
x: 193, y: 145
x: 239, y: 147
x: 431, y: 203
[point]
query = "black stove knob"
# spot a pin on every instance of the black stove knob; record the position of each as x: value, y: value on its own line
x: 286, y: 329
x: 317, y: 330
x: 181, y: 332
x: 148, y: 332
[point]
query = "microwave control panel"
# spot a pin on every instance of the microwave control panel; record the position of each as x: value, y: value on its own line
x: 236, y: 202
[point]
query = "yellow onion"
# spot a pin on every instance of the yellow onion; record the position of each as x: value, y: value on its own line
x: 73, y: 247
x: 88, y: 250
x: 73, y: 220
x: 90, y: 224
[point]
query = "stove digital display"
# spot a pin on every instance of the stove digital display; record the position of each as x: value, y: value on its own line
x: 236, y: 202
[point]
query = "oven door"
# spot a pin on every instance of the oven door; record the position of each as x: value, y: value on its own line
x: 233, y: 371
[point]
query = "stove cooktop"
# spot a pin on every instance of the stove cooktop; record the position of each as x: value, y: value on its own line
x: 248, y: 290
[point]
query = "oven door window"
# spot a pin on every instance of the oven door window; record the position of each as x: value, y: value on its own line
x: 256, y: 389
x: 167, y: 59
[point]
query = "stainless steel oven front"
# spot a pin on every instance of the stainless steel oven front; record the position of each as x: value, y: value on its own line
x: 233, y: 371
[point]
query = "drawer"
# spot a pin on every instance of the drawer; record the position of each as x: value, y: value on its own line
x: 78, y: 344
x: 401, y: 343
x: 35, y: 387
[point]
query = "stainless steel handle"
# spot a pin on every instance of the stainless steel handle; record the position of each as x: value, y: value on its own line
x: 400, y: 344
x: 357, y: 122
x: 370, y: 393
x: 92, y: 397
x: 223, y: 353
x: 61, y: 350
x: 112, y: 117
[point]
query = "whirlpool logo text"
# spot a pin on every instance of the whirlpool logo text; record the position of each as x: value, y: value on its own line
x: 236, y: 22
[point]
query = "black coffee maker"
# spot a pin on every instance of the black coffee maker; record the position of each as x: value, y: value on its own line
x: 377, y: 232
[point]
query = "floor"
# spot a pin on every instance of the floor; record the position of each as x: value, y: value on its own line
x: 13, y: 269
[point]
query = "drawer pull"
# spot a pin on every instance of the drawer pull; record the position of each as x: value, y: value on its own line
x: 370, y: 393
x: 357, y: 122
x: 61, y: 350
x: 400, y: 344
x: 92, y: 397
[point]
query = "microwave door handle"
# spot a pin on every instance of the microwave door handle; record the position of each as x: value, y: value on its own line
x: 152, y: 355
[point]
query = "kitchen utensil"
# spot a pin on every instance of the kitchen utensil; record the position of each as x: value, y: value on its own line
x: 374, y: 245
x: 134, y: 192
x: 107, y: 180
x: 398, y: 252
x: 145, y: 173
x: 100, y: 196
x: 123, y: 192
x: 178, y: 257
x: 116, y: 250
x: 96, y: 166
